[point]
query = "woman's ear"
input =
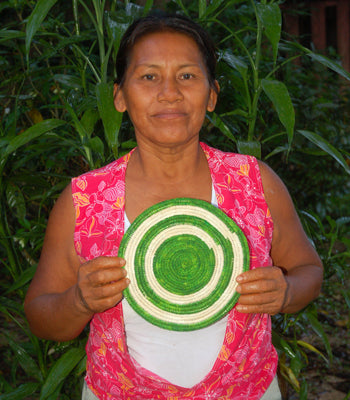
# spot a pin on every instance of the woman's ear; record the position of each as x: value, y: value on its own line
x: 119, y: 102
x: 213, y: 96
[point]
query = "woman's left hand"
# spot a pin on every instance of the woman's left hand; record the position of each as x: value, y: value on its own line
x: 262, y: 290
x: 267, y: 289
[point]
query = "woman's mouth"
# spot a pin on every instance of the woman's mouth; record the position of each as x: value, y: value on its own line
x: 169, y: 114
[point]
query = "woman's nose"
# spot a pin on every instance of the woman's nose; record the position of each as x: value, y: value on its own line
x: 169, y: 91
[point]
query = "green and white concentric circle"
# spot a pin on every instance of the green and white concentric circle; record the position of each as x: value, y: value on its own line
x: 182, y: 258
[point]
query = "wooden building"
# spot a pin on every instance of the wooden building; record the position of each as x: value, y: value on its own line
x: 322, y: 23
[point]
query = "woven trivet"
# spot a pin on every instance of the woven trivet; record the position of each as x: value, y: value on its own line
x: 182, y: 258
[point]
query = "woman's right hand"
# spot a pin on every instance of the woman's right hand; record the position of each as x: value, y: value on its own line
x: 64, y: 293
x: 100, y: 284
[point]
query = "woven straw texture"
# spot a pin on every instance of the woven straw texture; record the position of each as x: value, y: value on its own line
x: 182, y: 257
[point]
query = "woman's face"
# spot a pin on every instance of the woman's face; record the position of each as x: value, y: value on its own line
x: 166, y: 90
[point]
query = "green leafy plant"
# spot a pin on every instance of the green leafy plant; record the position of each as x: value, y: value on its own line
x: 58, y: 120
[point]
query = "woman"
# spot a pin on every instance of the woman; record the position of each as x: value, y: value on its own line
x: 166, y: 83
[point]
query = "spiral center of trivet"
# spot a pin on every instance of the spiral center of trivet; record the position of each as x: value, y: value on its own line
x: 183, y: 264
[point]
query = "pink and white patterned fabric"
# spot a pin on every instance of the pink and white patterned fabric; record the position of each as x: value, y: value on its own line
x: 247, y: 362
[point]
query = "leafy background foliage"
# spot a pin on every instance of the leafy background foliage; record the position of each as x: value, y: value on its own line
x: 279, y: 101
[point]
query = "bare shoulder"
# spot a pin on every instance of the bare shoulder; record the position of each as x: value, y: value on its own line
x: 276, y: 194
x: 58, y: 264
x: 272, y: 183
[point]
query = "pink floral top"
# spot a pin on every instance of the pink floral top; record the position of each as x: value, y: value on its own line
x: 247, y: 361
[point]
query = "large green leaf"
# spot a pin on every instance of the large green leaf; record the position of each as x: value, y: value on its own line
x: 111, y: 118
x: 71, y: 81
x: 116, y: 25
x: 22, y: 392
x: 60, y: 370
x: 181, y: 5
x: 311, y: 348
x: 80, y: 128
x: 147, y: 7
x: 317, y: 327
x: 24, y: 278
x: 333, y: 65
x: 281, y: 345
x: 15, y: 201
x: 212, y: 6
x: 88, y: 121
x: 303, y: 390
x: 35, y: 19
x: 253, y: 148
x: 327, y: 62
x: 326, y: 146
x: 7, y: 34
x: 132, y: 9
x: 219, y: 123
x: 277, y: 150
x: 30, y: 134
x: 25, y: 360
x: 96, y: 145
x: 235, y: 62
x: 277, y: 92
x: 202, y: 7
x: 271, y: 18
x: 81, y: 367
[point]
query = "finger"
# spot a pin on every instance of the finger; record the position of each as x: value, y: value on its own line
x: 269, y: 302
x: 261, y: 286
x: 102, y: 277
x: 259, y: 273
x: 271, y: 309
x: 111, y: 289
x: 113, y: 261
x: 256, y: 299
x: 102, y: 270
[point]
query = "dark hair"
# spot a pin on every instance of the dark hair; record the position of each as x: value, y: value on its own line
x: 165, y: 23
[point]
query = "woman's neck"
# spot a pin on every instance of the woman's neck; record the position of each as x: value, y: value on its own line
x: 155, y: 176
x: 168, y: 164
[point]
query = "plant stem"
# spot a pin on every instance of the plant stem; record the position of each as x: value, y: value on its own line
x: 256, y: 81
x: 8, y: 245
x: 99, y: 8
x: 76, y: 17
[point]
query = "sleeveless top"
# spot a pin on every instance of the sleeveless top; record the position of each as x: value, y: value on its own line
x: 247, y: 362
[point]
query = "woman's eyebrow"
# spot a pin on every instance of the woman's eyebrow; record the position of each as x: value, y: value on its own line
x: 190, y: 65
x: 143, y: 65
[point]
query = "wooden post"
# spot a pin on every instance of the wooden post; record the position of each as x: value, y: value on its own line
x: 343, y: 32
x: 318, y: 25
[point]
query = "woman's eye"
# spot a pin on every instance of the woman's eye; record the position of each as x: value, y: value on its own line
x: 148, y: 77
x: 186, y: 76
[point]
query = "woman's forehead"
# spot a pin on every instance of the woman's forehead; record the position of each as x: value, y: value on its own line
x: 165, y: 46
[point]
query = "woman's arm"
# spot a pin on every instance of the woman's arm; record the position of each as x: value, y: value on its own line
x: 64, y: 293
x: 270, y: 290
